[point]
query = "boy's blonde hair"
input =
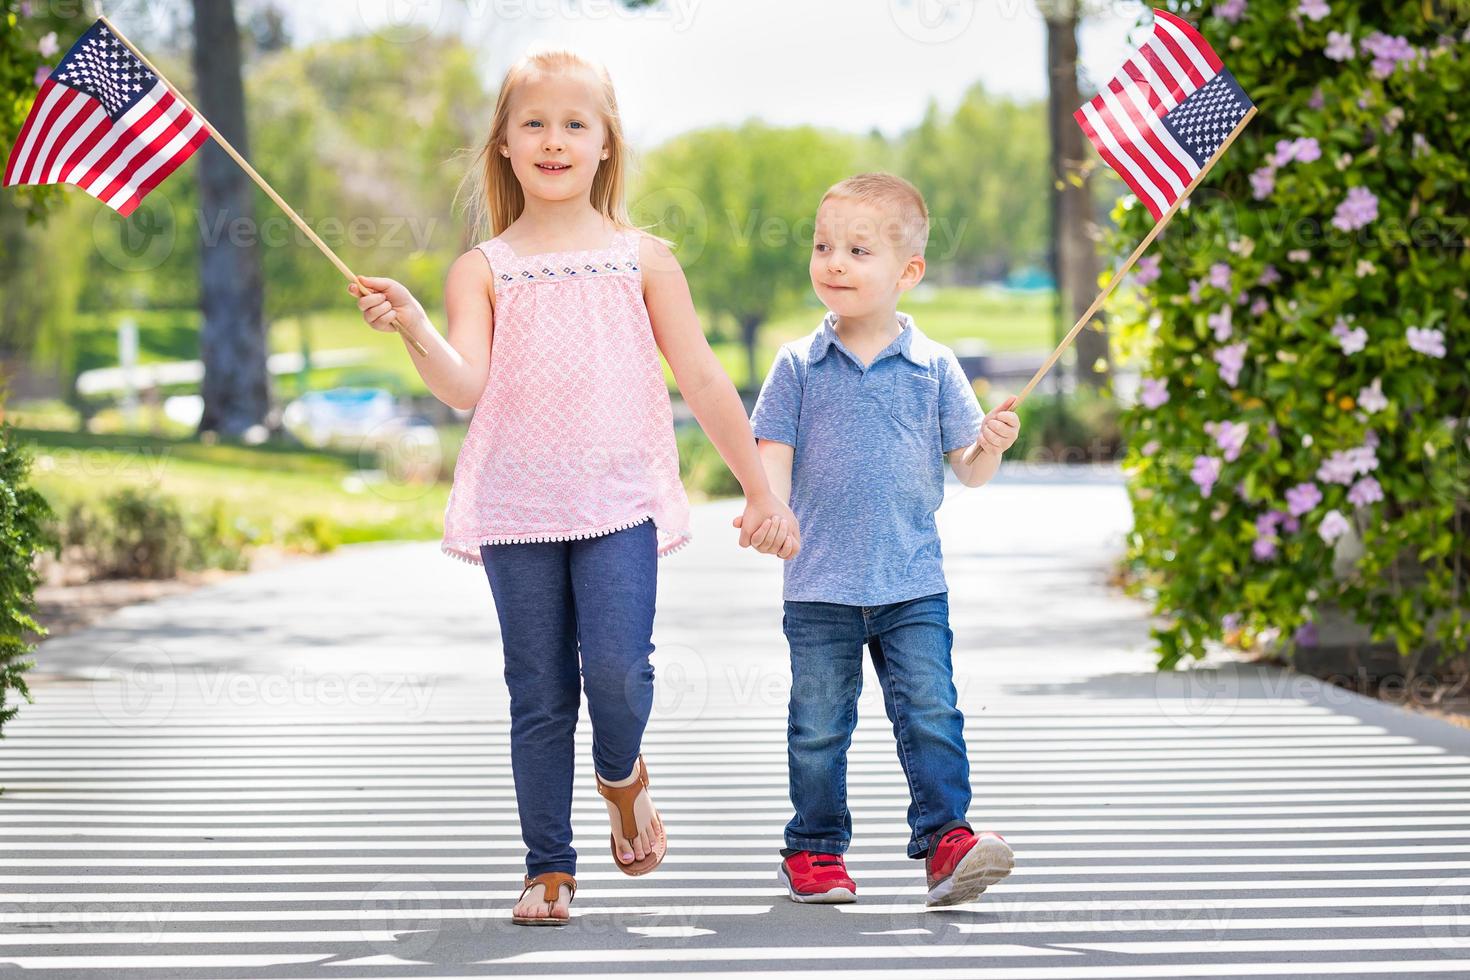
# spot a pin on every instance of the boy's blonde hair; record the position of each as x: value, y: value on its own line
x: 890, y: 191
x: 496, y: 198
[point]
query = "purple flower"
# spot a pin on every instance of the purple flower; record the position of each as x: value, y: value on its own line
x: 1302, y: 498
x: 1306, y: 149
x: 1339, y: 46
x: 1317, y: 100
x: 1333, y: 526
x: 1426, y: 341
x: 1229, y: 436
x: 43, y: 72
x: 1269, y: 276
x: 1205, y: 472
x: 48, y: 45
x: 1146, y: 270
x: 1231, y: 359
x: 1195, y: 285
x: 1220, y: 275
x: 1344, y: 464
x: 1264, y: 549
x: 1263, y: 182
x: 1352, y: 340
x: 1150, y: 447
x: 1259, y: 306
x: 1365, y: 492
x: 1155, y: 392
x: 1305, y: 635
x: 1220, y: 321
x: 1230, y: 11
x: 1356, y: 210
x: 1387, y: 50
x: 1371, y: 398
x: 1313, y: 9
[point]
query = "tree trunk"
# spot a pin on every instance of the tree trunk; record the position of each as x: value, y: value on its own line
x: 236, y: 386
x: 749, y: 328
x: 1076, y: 253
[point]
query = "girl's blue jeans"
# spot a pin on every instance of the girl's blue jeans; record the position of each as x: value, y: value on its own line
x: 910, y: 643
x: 555, y: 599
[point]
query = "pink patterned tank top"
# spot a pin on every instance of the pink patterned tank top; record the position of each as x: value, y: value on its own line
x: 573, y: 436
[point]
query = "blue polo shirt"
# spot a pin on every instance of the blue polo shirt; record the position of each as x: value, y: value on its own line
x: 868, y: 472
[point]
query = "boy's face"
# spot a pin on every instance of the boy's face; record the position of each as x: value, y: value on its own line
x: 861, y: 259
x: 555, y: 136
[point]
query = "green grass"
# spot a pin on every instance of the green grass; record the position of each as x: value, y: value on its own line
x: 267, y: 488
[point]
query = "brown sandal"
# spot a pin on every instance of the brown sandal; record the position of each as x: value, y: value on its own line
x: 622, y: 797
x: 552, y: 881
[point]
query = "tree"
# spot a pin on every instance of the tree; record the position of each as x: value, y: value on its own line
x: 739, y: 204
x: 232, y: 344
x: 1073, y: 251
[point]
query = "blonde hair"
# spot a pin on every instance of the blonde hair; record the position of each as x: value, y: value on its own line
x: 496, y: 198
x: 901, y: 198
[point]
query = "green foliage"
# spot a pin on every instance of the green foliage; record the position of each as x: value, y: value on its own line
x: 1400, y: 567
x: 24, y: 534
x: 701, y: 469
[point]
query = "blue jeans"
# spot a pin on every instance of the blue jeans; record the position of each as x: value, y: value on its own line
x: 910, y: 644
x: 554, y: 598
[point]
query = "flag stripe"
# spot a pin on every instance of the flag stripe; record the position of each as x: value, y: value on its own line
x: 1115, y: 118
x: 1172, y: 155
x: 164, y: 155
x: 20, y: 159
x: 1163, y: 64
x: 73, y: 114
x: 1107, y: 149
x: 1193, y: 39
x: 90, y: 124
x: 1167, y: 43
x: 90, y: 170
x: 158, y: 175
x: 59, y: 115
x: 161, y: 128
x: 99, y: 133
x: 1142, y: 77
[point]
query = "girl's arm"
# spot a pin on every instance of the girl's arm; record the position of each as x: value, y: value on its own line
x: 455, y: 369
x: 707, y: 389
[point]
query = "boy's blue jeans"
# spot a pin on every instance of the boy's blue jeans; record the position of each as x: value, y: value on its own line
x: 556, y: 600
x: 910, y: 643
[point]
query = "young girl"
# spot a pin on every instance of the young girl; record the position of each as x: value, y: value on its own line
x: 567, y: 486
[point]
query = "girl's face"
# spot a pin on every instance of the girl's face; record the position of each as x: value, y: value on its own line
x: 555, y: 137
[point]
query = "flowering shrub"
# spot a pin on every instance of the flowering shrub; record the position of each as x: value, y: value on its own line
x: 1300, y: 438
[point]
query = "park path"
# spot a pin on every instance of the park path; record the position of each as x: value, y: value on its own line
x: 303, y: 773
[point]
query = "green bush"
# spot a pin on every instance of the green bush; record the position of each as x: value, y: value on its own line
x: 703, y: 471
x: 138, y: 532
x: 1077, y: 428
x: 1300, y: 445
x: 24, y: 534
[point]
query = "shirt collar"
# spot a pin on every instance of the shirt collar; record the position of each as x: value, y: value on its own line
x: 910, y: 341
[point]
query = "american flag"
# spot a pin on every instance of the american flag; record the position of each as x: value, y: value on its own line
x: 1158, y: 121
x: 104, y: 122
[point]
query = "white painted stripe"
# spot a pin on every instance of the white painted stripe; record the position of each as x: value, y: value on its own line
x: 469, y: 831
x: 191, y: 961
x: 586, y: 808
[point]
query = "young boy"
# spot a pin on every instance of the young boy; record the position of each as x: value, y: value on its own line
x: 854, y: 424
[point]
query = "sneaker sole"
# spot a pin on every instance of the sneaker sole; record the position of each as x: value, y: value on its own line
x: 832, y: 896
x: 990, y: 860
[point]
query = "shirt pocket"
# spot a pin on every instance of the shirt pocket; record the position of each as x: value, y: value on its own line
x: 914, y: 401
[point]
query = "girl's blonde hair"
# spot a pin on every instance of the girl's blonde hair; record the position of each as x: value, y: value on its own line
x: 496, y: 198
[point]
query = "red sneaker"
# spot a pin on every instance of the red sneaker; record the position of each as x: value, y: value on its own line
x: 961, y: 865
x: 817, y: 878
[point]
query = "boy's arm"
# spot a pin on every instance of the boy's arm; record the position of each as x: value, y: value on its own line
x: 976, y: 463
x: 777, y: 458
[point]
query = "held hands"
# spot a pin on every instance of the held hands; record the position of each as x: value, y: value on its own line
x: 775, y: 530
x: 998, y: 432
x: 388, y: 301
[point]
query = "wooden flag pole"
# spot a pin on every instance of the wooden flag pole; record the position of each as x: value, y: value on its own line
x: 1123, y: 270
x: 270, y: 191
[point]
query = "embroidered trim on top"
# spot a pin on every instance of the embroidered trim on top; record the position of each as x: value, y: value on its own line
x: 587, y: 271
x: 456, y: 549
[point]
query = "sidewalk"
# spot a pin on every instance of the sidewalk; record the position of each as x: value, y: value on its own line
x: 303, y: 773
